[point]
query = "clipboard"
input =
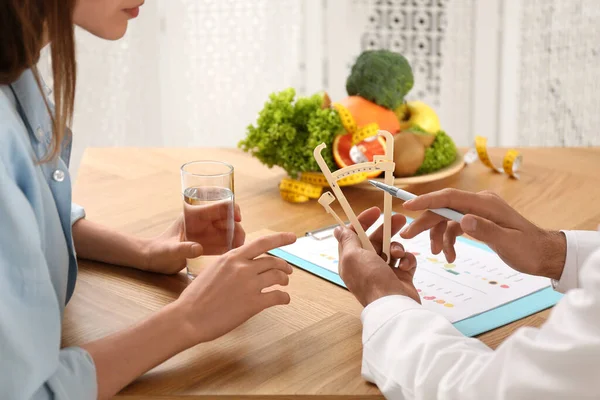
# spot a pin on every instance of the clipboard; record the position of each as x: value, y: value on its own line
x: 472, y: 326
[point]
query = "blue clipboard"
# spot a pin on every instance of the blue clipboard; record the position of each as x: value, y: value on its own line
x: 472, y: 326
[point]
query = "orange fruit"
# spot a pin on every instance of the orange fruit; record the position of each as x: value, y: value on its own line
x: 342, y: 144
x: 366, y: 112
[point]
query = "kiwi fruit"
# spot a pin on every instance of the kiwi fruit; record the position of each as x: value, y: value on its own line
x: 409, y: 153
x: 425, y: 138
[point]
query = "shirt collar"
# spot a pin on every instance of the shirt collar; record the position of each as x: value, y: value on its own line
x: 32, y: 104
x: 35, y: 114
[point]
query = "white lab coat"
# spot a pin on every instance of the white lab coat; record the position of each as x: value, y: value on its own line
x: 413, y: 353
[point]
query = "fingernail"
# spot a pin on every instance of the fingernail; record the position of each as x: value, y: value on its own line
x: 403, y: 263
x: 407, y: 202
x: 337, y: 232
x: 396, y: 247
x: 469, y: 224
x: 196, y: 248
x: 404, y: 229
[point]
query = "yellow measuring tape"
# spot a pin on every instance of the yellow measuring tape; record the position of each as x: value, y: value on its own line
x: 318, y: 179
x: 364, y: 132
x: 296, y: 191
x: 510, y: 164
x: 358, y: 133
x: 311, y: 184
x: 347, y: 119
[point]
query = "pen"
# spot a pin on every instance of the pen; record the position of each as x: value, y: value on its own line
x: 404, y: 195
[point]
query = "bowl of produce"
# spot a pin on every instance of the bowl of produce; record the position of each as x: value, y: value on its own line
x: 288, y: 128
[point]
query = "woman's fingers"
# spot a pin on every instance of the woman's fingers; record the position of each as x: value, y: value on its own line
x: 237, y: 213
x: 273, y: 298
x: 266, y: 263
x: 263, y: 244
x: 239, y: 235
x: 272, y: 277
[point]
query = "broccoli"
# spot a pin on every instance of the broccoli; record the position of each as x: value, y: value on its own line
x: 440, y: 154
x: 381, y: 76
x: 286, y: 133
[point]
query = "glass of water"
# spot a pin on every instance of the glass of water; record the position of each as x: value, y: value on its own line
x: 208, y: 209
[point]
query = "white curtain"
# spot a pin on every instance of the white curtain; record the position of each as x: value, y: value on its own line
x: 559, y: 97
x: 188, y: 73
x: 196, y: 72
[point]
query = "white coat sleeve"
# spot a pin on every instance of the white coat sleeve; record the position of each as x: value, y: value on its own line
x: 413, y: 353
x: 580, y: 245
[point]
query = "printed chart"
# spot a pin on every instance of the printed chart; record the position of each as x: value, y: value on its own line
x: 477, y: 281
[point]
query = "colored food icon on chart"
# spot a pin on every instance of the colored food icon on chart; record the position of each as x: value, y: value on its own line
x: 329, y: 258
x: 436, y: 300
x: 496, y: 283
x: 451, y: 269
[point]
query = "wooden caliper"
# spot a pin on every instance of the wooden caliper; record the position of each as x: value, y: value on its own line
x: 380, y: 163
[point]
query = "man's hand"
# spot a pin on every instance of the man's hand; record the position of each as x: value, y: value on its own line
x: 488, y: 218
x: 365, y: 273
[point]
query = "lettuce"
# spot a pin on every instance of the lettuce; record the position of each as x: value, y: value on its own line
x: 286, y: 132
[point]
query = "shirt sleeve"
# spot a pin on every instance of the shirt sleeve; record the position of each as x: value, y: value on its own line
x: 77, y: 213
x: 580, y: 245
x: 32, y: 365
x: 413, y: 353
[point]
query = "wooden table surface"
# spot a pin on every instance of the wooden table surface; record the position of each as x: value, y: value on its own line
x: 313, y: 345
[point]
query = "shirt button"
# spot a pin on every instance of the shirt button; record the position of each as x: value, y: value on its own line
x: 39, y: 133
x: 58, y: 175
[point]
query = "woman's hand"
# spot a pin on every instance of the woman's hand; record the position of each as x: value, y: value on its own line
x: 518, y: 242
x: 232, y: 290
x: 365, y: 273
x: 208, y: 233
x: 224, y: 295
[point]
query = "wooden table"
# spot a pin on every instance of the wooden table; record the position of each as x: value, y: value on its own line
x: 312, y: 346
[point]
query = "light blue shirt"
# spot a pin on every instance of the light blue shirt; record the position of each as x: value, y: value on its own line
x: 38, y: 267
